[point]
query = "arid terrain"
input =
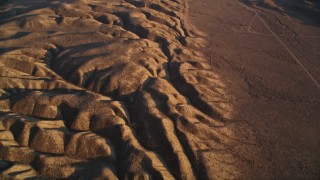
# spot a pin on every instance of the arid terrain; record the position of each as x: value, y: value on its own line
x: 159, y: 89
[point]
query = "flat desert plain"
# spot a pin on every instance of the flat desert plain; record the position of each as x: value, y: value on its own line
x: 159, y: 89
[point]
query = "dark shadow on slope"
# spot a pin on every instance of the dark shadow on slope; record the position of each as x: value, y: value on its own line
x: 306, y: 11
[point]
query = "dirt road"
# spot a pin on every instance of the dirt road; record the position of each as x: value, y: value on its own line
x: 267, y: 54
x: 96, y: 89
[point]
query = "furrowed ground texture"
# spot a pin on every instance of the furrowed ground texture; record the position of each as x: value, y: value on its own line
x: 112, y: 89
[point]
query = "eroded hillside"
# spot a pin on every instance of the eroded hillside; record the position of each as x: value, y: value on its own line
x: 112, y: 89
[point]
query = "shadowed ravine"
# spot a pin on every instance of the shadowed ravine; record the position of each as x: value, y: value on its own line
x: 113, y: 89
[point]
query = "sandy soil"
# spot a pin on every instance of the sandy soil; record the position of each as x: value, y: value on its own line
x: 141, y: 89
x: 269, y: 89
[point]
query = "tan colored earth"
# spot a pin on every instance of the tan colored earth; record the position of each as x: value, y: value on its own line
x: 159, y: 89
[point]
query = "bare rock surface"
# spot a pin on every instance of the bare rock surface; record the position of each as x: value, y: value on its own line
x: 113, y: 90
